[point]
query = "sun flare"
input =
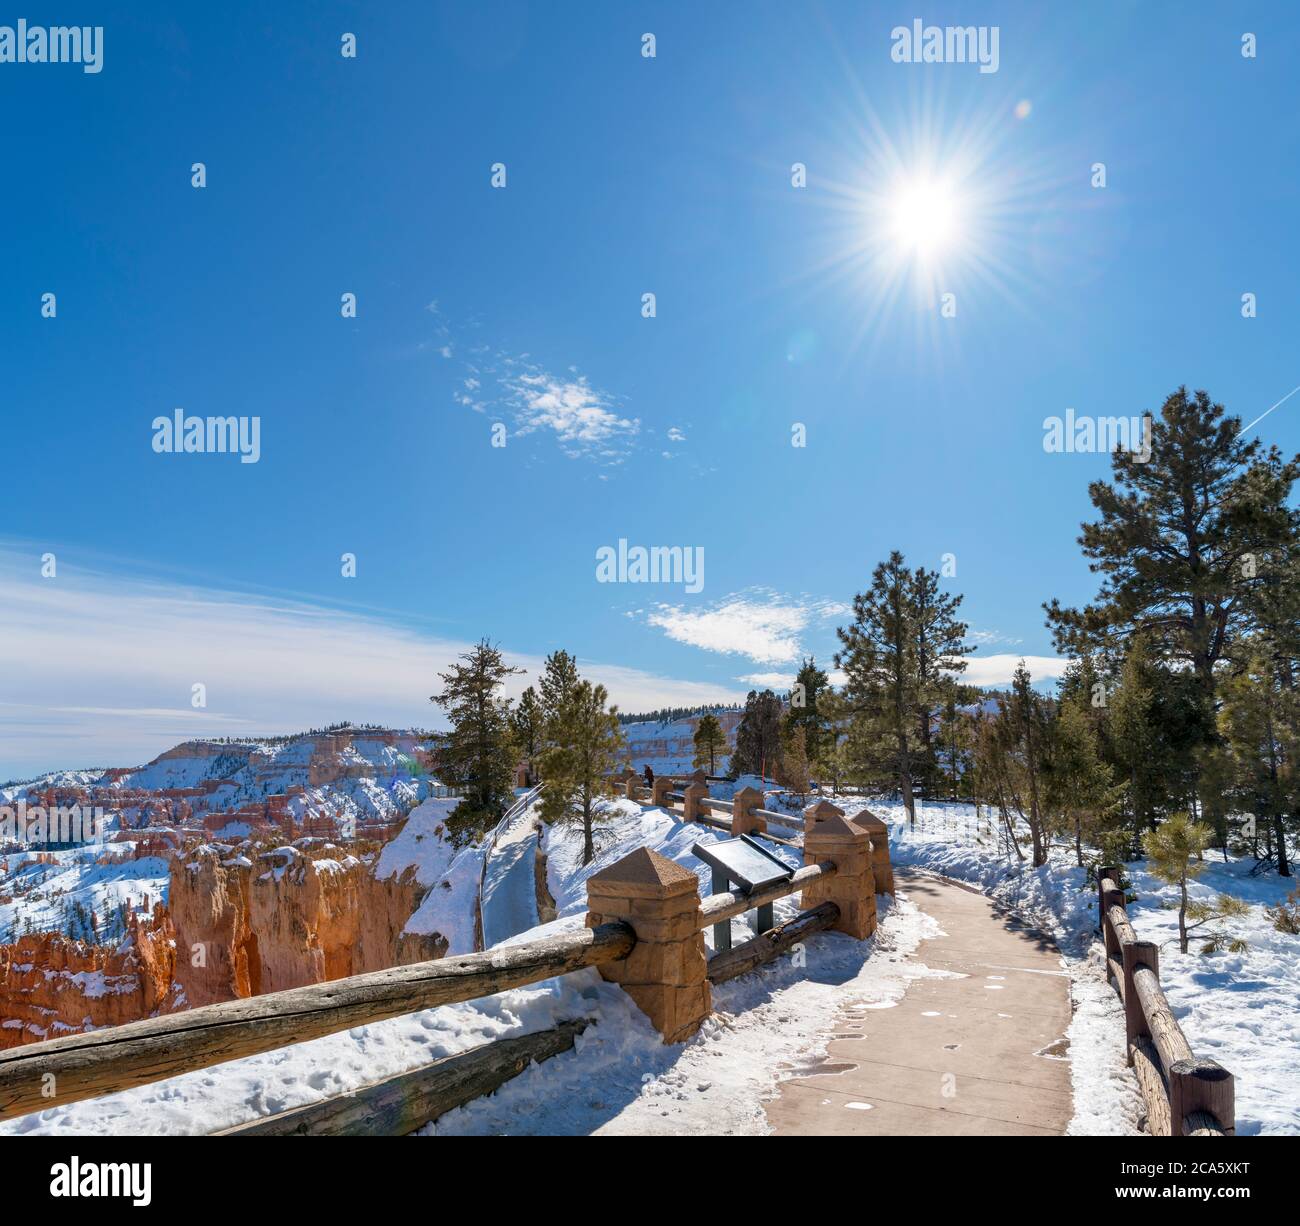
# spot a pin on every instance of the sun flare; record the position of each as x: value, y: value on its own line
x: 924, y: 215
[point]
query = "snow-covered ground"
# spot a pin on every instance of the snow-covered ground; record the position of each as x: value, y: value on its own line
x: 60, y: 896
x: 1242, y: 1010
x: 620, y: 1078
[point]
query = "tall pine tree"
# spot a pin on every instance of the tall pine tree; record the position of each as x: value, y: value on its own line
x: 478, y: 755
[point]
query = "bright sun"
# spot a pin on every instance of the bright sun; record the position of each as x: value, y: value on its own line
x: 923, y: 215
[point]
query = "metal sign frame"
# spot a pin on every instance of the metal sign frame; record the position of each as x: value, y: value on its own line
x: 727, y: 877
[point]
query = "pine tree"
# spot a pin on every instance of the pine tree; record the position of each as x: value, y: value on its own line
x: 1170, y: 543
x: 1174, y: 849
x: 587, y: 744
x: 558, y: 680
x: 1260, y: 721
x: 940, y: 657
x: 1080, y: 788
x: 1029, y: 725
x: 758, y: 737
x: 1171, y: 536
x: 900, y: 656
x: 794, y: 763
x: 710, y: 741
x: 810, y: 684
x: 528, y: 726
x: 477, y: 755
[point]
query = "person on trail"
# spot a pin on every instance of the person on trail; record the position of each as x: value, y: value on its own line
x: 649, y: 776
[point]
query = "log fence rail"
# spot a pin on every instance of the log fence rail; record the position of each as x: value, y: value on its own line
x: 1185, y: 1095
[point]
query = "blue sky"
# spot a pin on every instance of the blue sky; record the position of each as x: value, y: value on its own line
x: 522, y: 305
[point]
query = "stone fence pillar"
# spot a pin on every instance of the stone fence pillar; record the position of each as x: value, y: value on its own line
x: 659, y: 791
x: 880, y: 862
x: 828, y: 835
x: 691, y: 798
x: 743, y: 805
x: 666, y: 972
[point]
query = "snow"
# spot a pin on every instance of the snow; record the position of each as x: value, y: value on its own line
x: 509, y: 895
x: 453, y: 875
x: 45, y: 896
x: 1242, y: 1010
x: 620, y: 1078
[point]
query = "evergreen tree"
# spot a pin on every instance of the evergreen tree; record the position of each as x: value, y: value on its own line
x: 1029, y: 722
x: 1170, y: 543
x: 528, y: 726
x: 810, y: 684
x: 710, y: 742
x: 1080, y: 789
x: 899, y: 656
x: 586, y: 747
x: 758, y: 738
x: 558, y: 680
x: 1171, y: 535
x: 1174, y: 850
x: 477, y: 756
x: 794, y: 762
x: 1259, y: 720
x: 940, y: 657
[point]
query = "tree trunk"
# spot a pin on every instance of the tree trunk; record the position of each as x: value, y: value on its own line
x: 1283, y: 864
x: 1182, y: 915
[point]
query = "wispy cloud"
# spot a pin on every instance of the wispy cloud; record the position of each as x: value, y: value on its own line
x: 758, y: 623
x: 98, y: 670
x: 992, y: 638
x: 585, y: 421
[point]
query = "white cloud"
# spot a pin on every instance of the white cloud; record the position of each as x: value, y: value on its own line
x: 99, y: 672
x: 998, y: 669
x: 762, y: 625
x: 785, y: 681
x: 675, y: 435
x: 583, y: 419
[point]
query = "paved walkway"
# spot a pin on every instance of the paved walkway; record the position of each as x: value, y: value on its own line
x: 984, y: 1054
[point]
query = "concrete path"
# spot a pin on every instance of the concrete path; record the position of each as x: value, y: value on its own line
x: 983, y: 1054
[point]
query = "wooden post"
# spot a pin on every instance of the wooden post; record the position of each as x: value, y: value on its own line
x: 1104, y: 871
x: 666, y: 972
x: 1201, y: 1085
x: 691, y: 801
x: 828, y: 835
x: 1135, y: 954
x: 743, y: 805
x: 880, y: 862
x: 1110, y: 898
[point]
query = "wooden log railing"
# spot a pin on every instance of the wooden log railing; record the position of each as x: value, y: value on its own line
x: 42, y: 1075
x: 399, y: 1105
x: 1185, y: 1095
x: 100, y: 1062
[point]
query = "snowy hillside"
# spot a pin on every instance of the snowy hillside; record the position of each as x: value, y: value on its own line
x: 58, y: 891
x: 669, y: 747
